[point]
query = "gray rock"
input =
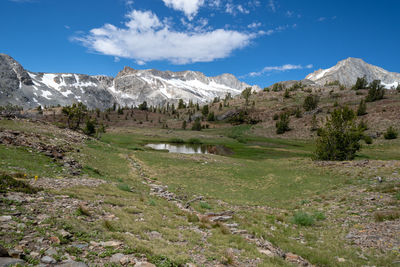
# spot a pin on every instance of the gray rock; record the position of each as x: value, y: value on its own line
x: 51, y: 252
x: 116, y: 258
x: 5, y: 218
x: 6, y: 261
x: 144, y: 264
x: 48, y: 260
x: 72, y: 264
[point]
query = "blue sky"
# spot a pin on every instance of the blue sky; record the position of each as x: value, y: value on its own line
x: 260, y: 41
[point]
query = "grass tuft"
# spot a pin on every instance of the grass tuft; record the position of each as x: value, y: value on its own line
x: 8, y: 183
x: 303, y: 219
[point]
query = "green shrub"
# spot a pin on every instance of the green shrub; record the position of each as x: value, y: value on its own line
x: 196, y: 125
x: 195, y: 141
x: 90, y: 127
x: 176, y: 141
x: 376, y: 91
x: 211, y: 116
x: 298, y: 113
x: 8, y: 183
x: 319, y: 216
x: 362, y: 108
x: 275, y: 117
x: 361, y: 83
x: 310, y: 102
x: 367, y: 139
x: 391, y: 133
x: 282, y: 125
x: 339, y: 138
x: 205, y: 205
x: 286, y: 94
x: 303, y: 219
x: 124, y: 187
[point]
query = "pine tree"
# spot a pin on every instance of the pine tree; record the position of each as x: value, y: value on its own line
x: 362, y: 108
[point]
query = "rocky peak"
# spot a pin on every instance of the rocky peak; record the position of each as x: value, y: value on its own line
x: 348, y: 70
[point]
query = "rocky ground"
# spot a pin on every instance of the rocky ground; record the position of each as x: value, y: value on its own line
x: 30, y: 224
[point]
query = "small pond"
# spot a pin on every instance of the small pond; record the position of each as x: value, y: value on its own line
x: 191, y: 148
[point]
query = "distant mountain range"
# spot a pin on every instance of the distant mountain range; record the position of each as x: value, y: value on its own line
x: 347, y: 71
x: 130, y: 87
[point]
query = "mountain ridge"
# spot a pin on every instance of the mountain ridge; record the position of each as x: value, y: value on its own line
x: 348, y: 70
x: 130, y: 87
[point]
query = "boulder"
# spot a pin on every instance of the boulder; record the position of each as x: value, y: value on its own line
x: 7, y: 261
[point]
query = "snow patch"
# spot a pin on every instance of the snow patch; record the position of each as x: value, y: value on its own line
x: 46, y: 94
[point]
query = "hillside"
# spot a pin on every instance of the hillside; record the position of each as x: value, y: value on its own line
x: 244, y: 196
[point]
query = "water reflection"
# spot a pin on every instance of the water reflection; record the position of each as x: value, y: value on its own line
x: 181, y: 148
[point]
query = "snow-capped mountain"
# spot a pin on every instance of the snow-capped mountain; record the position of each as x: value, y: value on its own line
x: 130, y: 87
x: 347, y: 71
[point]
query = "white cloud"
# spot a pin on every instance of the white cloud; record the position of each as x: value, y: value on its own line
x: 272, y: 6
x: 145, y: 38
x: 321, y: 19
x: 285, y: 67
x: 254, y: 25
x: 234, y: 9
x: 189, y: 7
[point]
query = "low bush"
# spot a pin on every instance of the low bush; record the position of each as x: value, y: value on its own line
x: 282, y: 125
x: 391, y: 133
x: 176, y: 141
x: 303, y: 219
x: 195, y: 141
x: 8, y: 183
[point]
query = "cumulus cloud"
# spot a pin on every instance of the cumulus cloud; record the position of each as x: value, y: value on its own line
x: 189, y: 7
x: 146, y: 38
x: 285, y: 67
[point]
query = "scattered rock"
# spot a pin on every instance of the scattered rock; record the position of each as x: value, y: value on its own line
x: 5, y: 218
x: 6, y: 261
x: 48, y: 260
x: 341, y: 260
x: 116, y: 258
x: 110, y: 244
x: 144, y: 264
x: 72, y: 264
x: 64, y: 234
x: 34, y: 254
x: 51, y: 252
x: 266, y: 252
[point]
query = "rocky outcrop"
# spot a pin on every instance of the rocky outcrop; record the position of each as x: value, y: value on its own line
x: 347, y: 71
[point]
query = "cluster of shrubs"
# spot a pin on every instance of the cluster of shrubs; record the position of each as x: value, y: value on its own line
x: 77, y: 114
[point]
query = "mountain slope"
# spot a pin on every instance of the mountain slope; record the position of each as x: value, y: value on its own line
x: 347, y: 71
x: 130, y: 87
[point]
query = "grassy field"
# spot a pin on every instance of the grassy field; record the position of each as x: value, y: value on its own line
x: 276, y: 190
x: 267, y: 181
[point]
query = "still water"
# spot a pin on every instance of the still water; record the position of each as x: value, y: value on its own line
x: 181, y: 148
